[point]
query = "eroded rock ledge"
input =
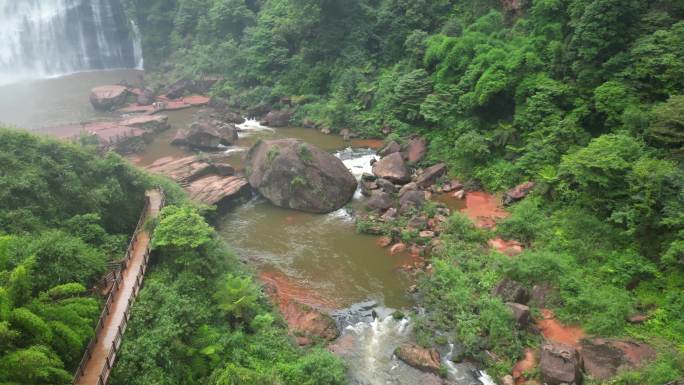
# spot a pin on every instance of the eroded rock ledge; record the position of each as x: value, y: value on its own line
x: 207, y: 180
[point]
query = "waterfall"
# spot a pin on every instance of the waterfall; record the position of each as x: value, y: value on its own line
x: 42, y: 38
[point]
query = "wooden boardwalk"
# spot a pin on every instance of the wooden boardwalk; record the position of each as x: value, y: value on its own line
x: 98, y: 360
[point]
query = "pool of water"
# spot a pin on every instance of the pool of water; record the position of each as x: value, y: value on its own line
x: 39, y: 104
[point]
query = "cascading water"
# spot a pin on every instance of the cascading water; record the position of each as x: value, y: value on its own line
x: 49, y: 38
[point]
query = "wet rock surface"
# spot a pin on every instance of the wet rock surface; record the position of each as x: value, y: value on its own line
x: 427, y: 359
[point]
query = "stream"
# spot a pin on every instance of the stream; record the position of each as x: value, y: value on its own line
x: 320, y: 260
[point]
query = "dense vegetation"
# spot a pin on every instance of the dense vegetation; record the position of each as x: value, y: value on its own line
x: 64, y: 213
x: 586, y: 97
x: 201, y: 320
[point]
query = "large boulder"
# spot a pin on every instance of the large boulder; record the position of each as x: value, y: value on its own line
x: 203, y: 135
x: 419, y: 357
x: 518, y: 192
x: 430, y: 175
x: 108, y: 98
x: 229, y: 134
x: 416, y: 149
x: 559, y: 364
x: 277, y: 119
x: 392, y: 168
x: 291, y: 173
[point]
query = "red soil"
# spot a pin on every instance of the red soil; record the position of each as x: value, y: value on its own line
x: 283, y: 290
x: 483, y: 208
x: 526, y: 364
x: 511, y: 248
x: 553, y: 330
x: 374, y: 144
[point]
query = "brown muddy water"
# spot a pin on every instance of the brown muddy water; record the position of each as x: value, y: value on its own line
x: 320, y: 259
x: 323, y: 253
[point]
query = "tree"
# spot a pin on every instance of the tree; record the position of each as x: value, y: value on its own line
x: 667, y: 125
x: 181, y: 228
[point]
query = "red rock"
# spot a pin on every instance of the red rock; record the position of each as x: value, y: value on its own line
x: 416, y: 149
x: 638, y: 319
x: 427, y: 234
x: 430, y: 175
x: 397, y: 248
x: 416, y: 251
x: 420, y: 358
x: 510, y: 248
x: 215, y: 189
x: 518, y: 192
x: 384, y: 241
x: 392, y: 168
x: 181, y: 170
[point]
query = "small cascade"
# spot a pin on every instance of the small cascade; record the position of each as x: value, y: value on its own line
x: 50, y: 38
x: 370, y: 336
x: 250, y: 127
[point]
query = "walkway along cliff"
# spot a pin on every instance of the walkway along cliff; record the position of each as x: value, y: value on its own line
x: 100, y: 355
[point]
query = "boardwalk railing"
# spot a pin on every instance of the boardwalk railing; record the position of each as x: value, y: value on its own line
x: 117, y: 277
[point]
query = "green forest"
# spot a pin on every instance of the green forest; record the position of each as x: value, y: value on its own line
x: 584, y: 97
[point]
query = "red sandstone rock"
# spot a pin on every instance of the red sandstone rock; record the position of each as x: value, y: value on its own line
x: 416, y: 150
x: 510, y: 248
x: 214, y: 189
x: 392, y: 168
x: 420, y: 358
x: 384, y: 241
x: 518, y: 192
x: 398, y: 248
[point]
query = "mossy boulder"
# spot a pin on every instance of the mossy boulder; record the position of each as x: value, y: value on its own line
x: 291, y: 173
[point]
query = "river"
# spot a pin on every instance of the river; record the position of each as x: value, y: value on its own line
x: 320, y: 258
